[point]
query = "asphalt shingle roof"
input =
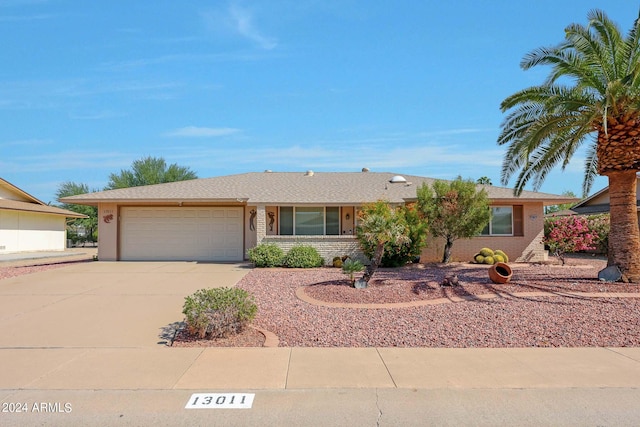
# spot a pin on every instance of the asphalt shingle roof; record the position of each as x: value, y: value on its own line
x: 278, y: 188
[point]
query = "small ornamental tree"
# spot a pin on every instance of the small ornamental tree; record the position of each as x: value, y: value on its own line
x: 568, y: 234
x: 454, y: 210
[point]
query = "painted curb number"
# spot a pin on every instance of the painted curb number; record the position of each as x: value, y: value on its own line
x: 220, y: 401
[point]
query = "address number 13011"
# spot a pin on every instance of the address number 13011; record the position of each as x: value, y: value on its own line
x: 220, y: 401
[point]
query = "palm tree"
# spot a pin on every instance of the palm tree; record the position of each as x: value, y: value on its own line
x: 484, y: 180
x: 591, y: 96
x: 378, y: 225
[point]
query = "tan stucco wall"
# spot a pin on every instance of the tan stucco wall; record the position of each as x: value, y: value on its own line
x: 527, y: 248
x: 108, y: 219
x: 28, y: 231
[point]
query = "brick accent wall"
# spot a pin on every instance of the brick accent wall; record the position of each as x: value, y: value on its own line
x: 328, y: 246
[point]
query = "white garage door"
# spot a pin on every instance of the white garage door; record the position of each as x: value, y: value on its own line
x: 181, y: 234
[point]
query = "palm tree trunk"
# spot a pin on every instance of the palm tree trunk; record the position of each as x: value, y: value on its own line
x: 624, y: 236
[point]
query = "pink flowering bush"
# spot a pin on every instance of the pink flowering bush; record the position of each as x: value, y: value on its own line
x: 600, y: 225
x: 567, y: 234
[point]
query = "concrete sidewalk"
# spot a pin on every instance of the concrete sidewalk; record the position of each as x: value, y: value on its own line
x: 312, y: 368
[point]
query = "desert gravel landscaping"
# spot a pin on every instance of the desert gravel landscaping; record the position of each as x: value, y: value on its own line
x: 515, y: 315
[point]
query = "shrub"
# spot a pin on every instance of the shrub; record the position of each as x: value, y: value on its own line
x: 352, y: 267
x: 218, y: 312
x: 568, y: 234
x: 337, y: 262
x: 479, y: 259
x: 599, y: 226
x: 266, y: 255
x: 489, y: 260
x: 303, y: 256
x: 413, y: 226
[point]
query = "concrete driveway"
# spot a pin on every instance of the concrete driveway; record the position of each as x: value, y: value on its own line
x: 104, y: 304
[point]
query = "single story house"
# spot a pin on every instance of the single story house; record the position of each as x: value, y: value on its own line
x: 219, y: 219
x: 27, y: 224
x: 598, y: 203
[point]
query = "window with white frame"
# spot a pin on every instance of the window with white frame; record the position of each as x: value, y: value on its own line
x: 501, y: 223
x: 309, y: 221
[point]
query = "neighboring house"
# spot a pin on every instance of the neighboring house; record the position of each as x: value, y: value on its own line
x: 598, y: 203
x: 27, y: 224
x: 219, y: 219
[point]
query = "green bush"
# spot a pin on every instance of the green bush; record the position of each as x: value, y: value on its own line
x: 479, y: 259
x: 399, y: 254
x: 303, y: 256
x: 489, y: 260
x: 266, y: 255
x: 218, y: 312
x: 337, y: 262
x: 351, y: 267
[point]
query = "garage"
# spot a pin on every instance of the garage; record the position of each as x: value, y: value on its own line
x: 181, y: 234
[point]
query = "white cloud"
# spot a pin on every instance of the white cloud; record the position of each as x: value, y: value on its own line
x: 243, y: 21
x: 23, y: 18
x: 26, y: 142
x: 100, y: 115
x: 199, y: 132
x: 238, y: 20
x: 12, y: 3
x: 66, y: 160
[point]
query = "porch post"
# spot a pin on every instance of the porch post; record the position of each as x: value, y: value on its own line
x: 261, y: 223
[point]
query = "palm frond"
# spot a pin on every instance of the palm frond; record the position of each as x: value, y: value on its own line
x: 631, y: 48
x: 590, y: 168
x: 546, y: 124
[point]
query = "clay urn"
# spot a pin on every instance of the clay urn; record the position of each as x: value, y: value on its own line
x: 500, y: 273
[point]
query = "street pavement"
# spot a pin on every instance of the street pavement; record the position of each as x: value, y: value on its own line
x: 86, y: 345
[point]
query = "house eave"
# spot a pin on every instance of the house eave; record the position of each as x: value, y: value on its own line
x: 156, y: 202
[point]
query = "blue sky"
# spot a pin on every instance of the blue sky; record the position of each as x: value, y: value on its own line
x: 224, y: 87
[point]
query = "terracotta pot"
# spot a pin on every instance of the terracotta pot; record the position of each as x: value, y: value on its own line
x: 500, y: 273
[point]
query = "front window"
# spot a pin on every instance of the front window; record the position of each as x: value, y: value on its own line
x: 501, y: 223
x: 309, y: 221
